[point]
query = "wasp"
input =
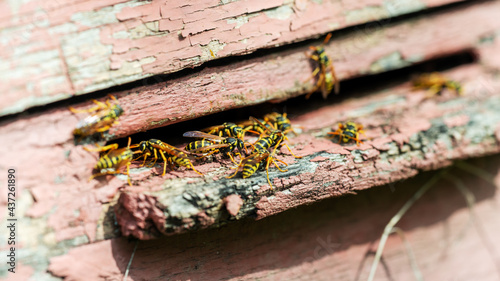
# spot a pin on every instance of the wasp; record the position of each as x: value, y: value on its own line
x: 104, y: 116
x: 261, y: 153
x: 275, y: 139
x: 280, y: 121
x: 254, y: 127
x: 327, y: 80
x: 250, y: 164
x: 114, y: 159
x: 435, y: 83
x: 170, y: 154
x: 270, y: 121
x: 227, y: 129
x: 349, y: 131
x: 214, y: 144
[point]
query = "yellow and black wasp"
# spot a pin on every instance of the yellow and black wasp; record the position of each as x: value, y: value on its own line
x: 251, y: 163
x: 113, y: 160
x: 213, y: 144
x: 349, y: 131
x: 271, y: 121
x: 435, y: 83
x: 253, y: 127
x: 105, y: 116
x: 261, y: 153
x: 170, y: 154
x: 327, y: 80
x: 279, y: 121
x: 227, y: 129
x: 275, y: 138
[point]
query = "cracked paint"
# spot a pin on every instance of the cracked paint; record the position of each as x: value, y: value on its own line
x: 152, y: 37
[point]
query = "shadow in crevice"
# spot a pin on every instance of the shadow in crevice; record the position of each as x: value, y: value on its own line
x: 303, y: 236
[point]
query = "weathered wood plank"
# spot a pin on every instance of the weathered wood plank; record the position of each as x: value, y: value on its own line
x: 281, y: 75
x: 408, y: 134
x: 57, y: 201
x: 61, y: 210
x: 53, y: 50
x: 324, y: 241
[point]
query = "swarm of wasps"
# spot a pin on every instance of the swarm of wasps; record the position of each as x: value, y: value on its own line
x: 228, y: 139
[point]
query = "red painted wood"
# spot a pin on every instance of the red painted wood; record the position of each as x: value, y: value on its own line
x: 324, y: 241
x: 77, y: 47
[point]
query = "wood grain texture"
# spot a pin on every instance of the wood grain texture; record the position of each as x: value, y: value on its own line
x: 282, y: 75
x: 330, y: 240
x: 52, y: 50
x: 64, y: 217
x: 407, y: 133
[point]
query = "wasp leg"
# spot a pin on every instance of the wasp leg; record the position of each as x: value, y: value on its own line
x: 192, y: 167
x: 314, y: 73
x: 103, y: 174
x: 337, y: 82
x: 99, y: 106
x: 433, y: 90
x: 155, y: 159
x: 327, y: 38
x: 337, y: 133
x: 103, y: 129
x: 146, y: 155
x: 164, y: 162
x: 249, y: 144
x: 102, y: 148
x: 128, y: 174
x: 211, y: 152
x: 277, y: 166
x: 107, y: 101
x: 321, y: 81
x: 267, y: 171
x: 358, y: 141
x: 289, y: 149
x: 237, y: 169
x: 252, y: 131
x: 231, y: 157
x: 112, y: 97
x: 171, y: 163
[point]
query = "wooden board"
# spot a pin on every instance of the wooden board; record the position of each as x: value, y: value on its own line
x: 54, y: 50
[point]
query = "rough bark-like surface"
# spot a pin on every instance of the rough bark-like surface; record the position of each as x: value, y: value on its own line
x: 324, y: 241
x: 75, y: 47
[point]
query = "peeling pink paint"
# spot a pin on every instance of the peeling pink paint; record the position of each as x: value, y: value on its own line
x: 233, y: 204
x: 198, y: 24
x: 137, y: 213
x: 319, y: 159
x: 321, y: 242
x: 96, y: 268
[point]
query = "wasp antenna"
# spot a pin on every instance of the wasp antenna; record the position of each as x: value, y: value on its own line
x: 327, y: 38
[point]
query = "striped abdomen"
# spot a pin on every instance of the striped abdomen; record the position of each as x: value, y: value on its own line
x: 350, y: 131
x: 181, y: 161
x: 198, y: 144
x: 107, y: 162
